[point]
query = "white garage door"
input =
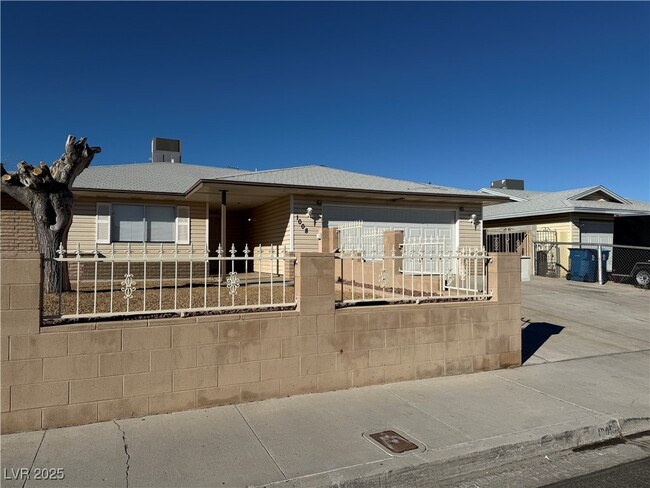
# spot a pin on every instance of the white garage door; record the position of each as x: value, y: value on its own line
x: 598, y: 232
x: 415, y: 222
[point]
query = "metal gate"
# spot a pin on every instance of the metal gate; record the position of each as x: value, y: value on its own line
x: 546, y: 252
x: 508, y: 240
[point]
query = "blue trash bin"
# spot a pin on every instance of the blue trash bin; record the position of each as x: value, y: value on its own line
x: 583, y: 265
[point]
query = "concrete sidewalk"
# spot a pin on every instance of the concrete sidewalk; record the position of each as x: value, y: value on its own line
x: 461, y: 422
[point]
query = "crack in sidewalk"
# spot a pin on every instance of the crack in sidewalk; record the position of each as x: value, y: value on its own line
x: 548, y: 394
x: 38, y: 449
x: 260, y: 441
x: 428, y: 413
x: 126, y: 451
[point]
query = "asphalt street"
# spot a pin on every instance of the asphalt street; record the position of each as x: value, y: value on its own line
x: 635, y: 474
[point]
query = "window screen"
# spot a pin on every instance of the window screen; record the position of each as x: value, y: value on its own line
x: 161, y: 223
x: 143, y: 223
x: 128, y: 223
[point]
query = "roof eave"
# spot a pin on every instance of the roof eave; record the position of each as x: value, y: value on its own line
x: 91, y: 191
x: 607, y: 211
x: 455, y: 196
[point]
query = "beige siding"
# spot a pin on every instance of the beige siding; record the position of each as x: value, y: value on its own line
x: 83, y: 229
x: 563, y: 229
x: 575, y: 229
x: 306, y: 239
x: 270, y: 224
x: 470, y: 234
x: 270, y: 229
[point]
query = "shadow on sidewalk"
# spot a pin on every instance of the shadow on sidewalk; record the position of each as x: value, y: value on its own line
x: 534, y: 335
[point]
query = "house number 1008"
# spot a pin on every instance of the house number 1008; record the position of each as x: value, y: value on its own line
x: 302, y: 226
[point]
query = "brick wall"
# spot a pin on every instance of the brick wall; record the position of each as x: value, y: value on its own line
x: 17, y: 227
x: 79, y: 374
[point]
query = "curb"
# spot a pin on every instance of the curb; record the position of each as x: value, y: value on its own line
x: 434, y: 467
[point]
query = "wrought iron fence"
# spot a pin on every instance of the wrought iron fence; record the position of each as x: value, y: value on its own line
x: 507, y: 240
x: 357, y: 237
x: 426, y: 246
x: 153, y: 280
x: 412, y: 274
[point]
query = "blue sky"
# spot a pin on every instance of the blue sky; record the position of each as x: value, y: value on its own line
x: 457, y: 94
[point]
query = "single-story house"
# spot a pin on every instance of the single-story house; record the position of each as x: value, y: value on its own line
x: 578, y: 215
x: 581, y: 215
x: 169, y: 203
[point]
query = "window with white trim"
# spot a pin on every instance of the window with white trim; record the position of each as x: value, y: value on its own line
x: 142, y: 223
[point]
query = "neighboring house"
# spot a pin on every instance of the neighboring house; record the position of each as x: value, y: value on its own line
x: 579, y: 215
x: 170, y: 203
x: 584, y: 215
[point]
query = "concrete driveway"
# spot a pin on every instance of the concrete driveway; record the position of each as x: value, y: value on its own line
x: 568, y: 319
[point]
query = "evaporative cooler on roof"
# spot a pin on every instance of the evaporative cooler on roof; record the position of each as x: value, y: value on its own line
x: 165, y: 150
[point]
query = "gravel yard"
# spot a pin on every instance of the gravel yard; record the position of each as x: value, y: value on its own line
x: 157, y: 298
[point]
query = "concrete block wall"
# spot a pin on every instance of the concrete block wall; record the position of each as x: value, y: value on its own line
x: 78, y: 374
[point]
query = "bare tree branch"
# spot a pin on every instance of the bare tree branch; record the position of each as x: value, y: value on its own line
x: 76, y: 158
x: 13, y: 187
x: 46, y: 192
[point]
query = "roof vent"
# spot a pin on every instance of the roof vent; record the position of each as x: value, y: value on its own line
x: 165, y: 150
x: 508, y: 184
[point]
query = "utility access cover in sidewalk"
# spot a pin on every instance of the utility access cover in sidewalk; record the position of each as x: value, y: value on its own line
x: 393, y: 441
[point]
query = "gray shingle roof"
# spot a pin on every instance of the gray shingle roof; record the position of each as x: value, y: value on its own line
x: 148, y: 177
x: 539, y: 203
x: 324, y: 177
x: 180, y: 178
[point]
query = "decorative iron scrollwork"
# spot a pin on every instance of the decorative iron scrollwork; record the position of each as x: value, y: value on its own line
x: 383, y: 280
x: 128, y: 286
x: 232, y: 283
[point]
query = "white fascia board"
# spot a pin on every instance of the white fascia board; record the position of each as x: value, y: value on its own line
x: 490, y: 191
x: 608, y: 211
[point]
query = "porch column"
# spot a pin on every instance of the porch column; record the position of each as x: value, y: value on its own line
x: 224, y: 244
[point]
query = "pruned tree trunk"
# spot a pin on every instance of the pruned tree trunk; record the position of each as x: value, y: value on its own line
x: 46, y: 193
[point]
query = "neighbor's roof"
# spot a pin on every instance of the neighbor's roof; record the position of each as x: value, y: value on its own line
x: 534, y: 203
x: 180, y: 178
